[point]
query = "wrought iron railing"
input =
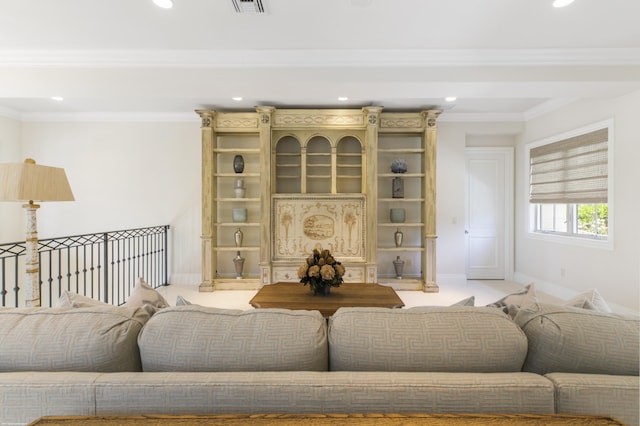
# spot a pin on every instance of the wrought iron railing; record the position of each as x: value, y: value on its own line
x: 103, y: 266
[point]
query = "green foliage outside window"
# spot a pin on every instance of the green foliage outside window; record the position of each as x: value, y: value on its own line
x: 593, y: 219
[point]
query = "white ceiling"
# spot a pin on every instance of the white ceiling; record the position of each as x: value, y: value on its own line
x: 503, y: 59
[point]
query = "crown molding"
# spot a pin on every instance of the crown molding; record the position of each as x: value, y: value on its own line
x: 137, y: 117
x: 454, y: 117
x: 318, y: 58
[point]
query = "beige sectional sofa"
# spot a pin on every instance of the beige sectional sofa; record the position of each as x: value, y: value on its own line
x: 197, y: 360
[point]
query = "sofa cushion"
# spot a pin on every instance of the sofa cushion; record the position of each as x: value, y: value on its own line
x: 598, y: 394
x: 96, y: 339
x: 197, y: 338
x: 446, y: 339
x: 564, y: 339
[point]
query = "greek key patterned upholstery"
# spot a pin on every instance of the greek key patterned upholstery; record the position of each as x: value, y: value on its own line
x: 563, y: 339
x: 450, y: 339
x: 96, y: 339
x: 27, y: 396
x: 197, y: 338
x: 617, y: 396
x: 323, y: 392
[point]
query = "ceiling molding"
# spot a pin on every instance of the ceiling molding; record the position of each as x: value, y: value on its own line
x: 480, y: 117
x: 318, y: 57
x: 547, y: 107
x: 140, y: 117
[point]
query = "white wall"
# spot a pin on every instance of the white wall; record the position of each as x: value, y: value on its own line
x: 11, y: 227
x: 124, y: 175
x: 615, y: 273
x: 127, y: 175
x: 453, y: 138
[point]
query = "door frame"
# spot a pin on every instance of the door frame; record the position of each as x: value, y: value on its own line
x: 506, y: 154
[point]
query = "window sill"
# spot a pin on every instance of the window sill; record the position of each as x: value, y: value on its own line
x: 573, y: 241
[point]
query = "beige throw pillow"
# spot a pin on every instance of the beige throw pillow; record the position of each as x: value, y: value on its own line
x: 143, y: 294
x: 511, y: 303
x: 590, y: 300
x: 69, y: 299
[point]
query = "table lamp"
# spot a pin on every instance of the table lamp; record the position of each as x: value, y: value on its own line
x: 31, y: 182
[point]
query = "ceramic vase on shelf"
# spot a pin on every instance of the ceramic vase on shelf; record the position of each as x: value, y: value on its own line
x: 397, y: 187
x: 398, y: 236
x: 237, y: 237
x: 397, y: 215
x: 239, y: 188
x: 238, y: 164
x: 238, y: 263
x: 398, y: 265
x: 239, y: 214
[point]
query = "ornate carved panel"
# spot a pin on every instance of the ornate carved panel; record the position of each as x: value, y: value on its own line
x: 309, y: 119
x: 303, y: 223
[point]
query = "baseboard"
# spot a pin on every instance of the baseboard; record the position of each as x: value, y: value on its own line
x: 185, y: 279
x: 564, y: 293
x: 450, y: 279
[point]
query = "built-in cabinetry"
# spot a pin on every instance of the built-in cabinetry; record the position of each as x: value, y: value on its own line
x: 318, y: 178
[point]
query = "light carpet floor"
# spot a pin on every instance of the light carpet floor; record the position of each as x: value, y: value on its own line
x: 485, y: 292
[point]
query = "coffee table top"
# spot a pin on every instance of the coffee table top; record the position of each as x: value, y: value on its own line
x: 298, y: 296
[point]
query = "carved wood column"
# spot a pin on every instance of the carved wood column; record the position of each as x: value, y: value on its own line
x: 209, y: 212
x: 266, y: 232
x: 372, y: 123
x: 430, y: 117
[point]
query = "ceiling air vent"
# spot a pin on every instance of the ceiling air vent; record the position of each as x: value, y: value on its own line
x: 248, y: 6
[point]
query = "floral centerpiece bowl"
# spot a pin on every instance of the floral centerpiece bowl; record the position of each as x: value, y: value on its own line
x: 321, y: 271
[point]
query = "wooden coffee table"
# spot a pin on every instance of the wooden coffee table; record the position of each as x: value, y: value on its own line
x: 332, y: 420
x: 298, y: 296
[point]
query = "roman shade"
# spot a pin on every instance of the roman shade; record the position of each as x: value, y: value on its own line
x: 573, y: 170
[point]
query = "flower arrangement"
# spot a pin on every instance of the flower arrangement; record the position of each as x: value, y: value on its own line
x: 321, y: 271
x: 399, y: 166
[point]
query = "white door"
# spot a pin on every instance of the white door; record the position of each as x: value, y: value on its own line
x: 489, y: 213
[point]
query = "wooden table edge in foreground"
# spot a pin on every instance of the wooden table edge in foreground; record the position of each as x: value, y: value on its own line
x: 291, y: 295
x: 331, y: 419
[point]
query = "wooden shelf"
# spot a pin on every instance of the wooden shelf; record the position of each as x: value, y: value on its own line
x: 237, y: 150
x: 402, y: 200
x: 232, y: 199
x: 236, y: 175
x: 403, y: 224
x: 240, y: 249
x: 402, y: 175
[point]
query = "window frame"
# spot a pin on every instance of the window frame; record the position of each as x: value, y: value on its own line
x: 569, y: 237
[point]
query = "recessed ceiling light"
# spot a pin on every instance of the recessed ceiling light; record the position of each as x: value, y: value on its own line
x: 57, y: 98
x: 165, y: 4
x: 450, y: 98
x: 237, y: 98
x: 562, y: 3
x: 342, y: 98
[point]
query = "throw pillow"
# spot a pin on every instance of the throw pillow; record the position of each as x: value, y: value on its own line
x: 469, y: 301
x: 181, y: 301
x: 511, y: 303
x: 143, y: 294
x: 69, y: 299
x: 589, y: 300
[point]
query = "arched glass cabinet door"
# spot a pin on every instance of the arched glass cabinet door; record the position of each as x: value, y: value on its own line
x: 318, y: 167
x: 349, y: 176
x: 288, y: 166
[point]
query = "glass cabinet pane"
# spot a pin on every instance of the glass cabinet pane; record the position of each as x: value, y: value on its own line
x: 318, y: 166
x: 288, y: 166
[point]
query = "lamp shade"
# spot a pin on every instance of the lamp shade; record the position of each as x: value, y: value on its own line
x: 29, y: 181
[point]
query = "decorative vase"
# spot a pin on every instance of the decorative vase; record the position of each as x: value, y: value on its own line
x: 239, y: 215
x: 239, y: 188
x: 238, y: 262
x: 397, y: 187
x: 399, y: 166
x: 398, y: 236
x: 237, y: 237
x: 323, y: 290
x: 397, y: 215
x: 398, y: 265
x: 238, y: 164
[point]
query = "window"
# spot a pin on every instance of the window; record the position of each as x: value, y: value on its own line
x: 570, y: 185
